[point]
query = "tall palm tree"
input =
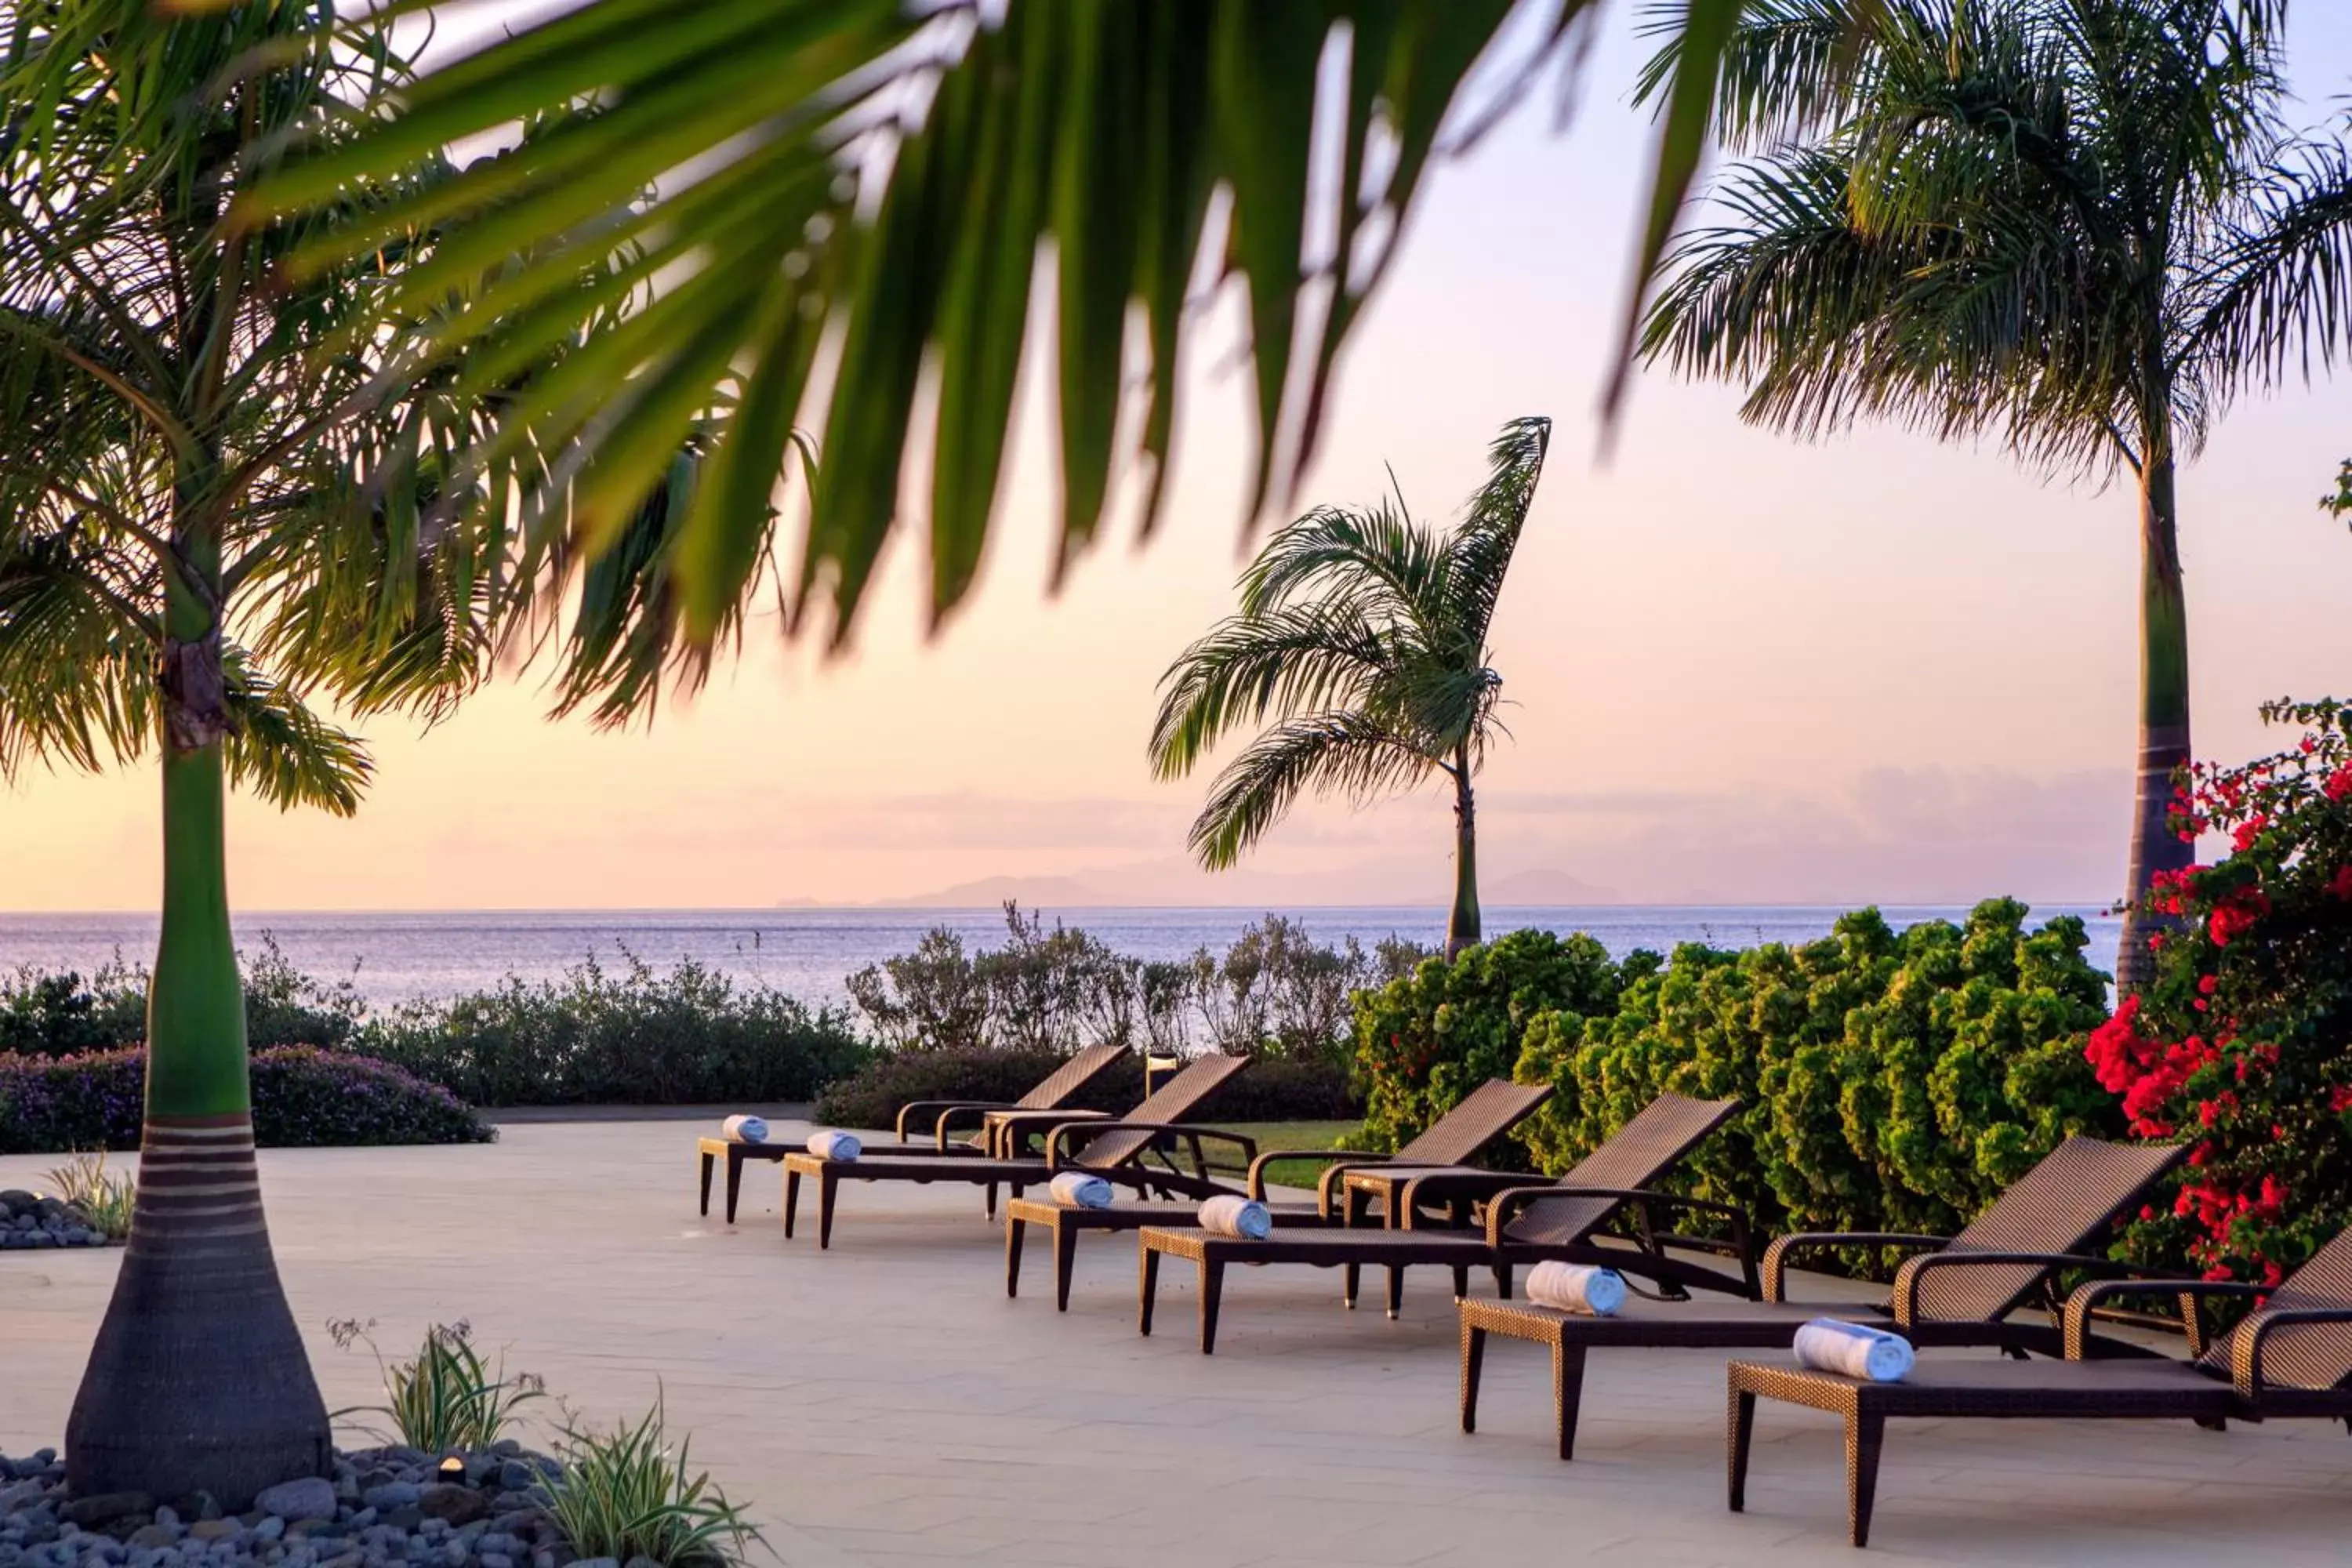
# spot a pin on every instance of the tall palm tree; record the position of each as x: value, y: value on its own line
x: 210, y: 519
x: 891, y: 172
x: 1361, y: 645
x: 2075, y: 225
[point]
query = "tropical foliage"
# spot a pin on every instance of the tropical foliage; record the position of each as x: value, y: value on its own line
x: 448, y: 1397
x: 2242, y: 1040
x: 1425, y: 1039
x: 1361, y: 648
x: 1890, y: 1082
x: 2078, y: 229
x: 892, y: 173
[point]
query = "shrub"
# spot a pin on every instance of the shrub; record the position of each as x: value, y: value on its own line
x: 103, y: 1197
x: 1274, y: 991
x: 622, y: 1496
x: 2242, y: 1038
x: 63, y: 1015
x: 637, y: 1038
x: 1425, y: 1039
x: 448, y: 1397
x: 303, y: 1097
x: 1889, y: 1082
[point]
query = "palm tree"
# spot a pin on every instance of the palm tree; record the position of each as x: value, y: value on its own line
x: 210, y: 517
x: 891, y: 171
x: 1362, y: 639
x: 2075, y: 225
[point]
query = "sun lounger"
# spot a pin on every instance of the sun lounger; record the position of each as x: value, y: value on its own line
x: 1487, y: 1112
x: 2291, y: 1356
x: 1114, y: 1151
x: 1996, y: 1267
x: 946, y: 1116
x: 1567, y: 1219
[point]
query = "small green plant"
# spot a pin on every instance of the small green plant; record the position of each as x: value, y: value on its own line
x: 623, y: 1495
x: 449, y: 1396
x: 104, y: 1197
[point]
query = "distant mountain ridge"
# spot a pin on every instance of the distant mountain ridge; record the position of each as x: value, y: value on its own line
x: 1179, y: 884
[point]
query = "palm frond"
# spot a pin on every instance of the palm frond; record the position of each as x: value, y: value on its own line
x: 290, y: 756
x: 1289, y: 660
x: 1479, y: 552
x: 2279, y: 300
x: 889, y: 175
x: 1346, y: 753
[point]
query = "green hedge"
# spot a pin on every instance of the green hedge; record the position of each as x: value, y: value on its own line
x: 1427, y: 1038
x: 635, y: 1037
x: 1891, y: 1083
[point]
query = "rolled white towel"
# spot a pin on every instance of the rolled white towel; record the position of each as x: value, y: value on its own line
x: 1080, y: 1190
x: 1576, y: 1287
x: 1243, y: 1219
x: 832, y: 1145
x: 1854, y: 1350
x: 745, y: 1130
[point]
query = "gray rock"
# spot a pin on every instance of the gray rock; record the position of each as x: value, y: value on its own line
x: 392, y: 1494
x: 641, y: 1562
x: 210, y: 1529
x: 154, y: 1535
x: 269, y: 1529
x: 458, y: 1505
x: 100, y: 1507
x: 22, y: 1492
x: 597, y: 1563
x: 311, y: 1497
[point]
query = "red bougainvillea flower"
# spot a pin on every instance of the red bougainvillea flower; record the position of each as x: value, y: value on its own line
x: 2339, y: 886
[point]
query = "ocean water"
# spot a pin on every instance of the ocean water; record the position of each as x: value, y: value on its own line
x: 395, y: 957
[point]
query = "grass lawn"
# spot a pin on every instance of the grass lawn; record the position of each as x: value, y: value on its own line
x: 1286, y: 1135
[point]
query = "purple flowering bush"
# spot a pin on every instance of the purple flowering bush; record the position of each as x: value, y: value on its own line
x: 303, y: 1097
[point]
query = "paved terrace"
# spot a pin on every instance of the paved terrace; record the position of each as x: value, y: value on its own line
x: 884, y: 1404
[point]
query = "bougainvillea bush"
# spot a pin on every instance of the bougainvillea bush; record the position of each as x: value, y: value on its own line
x: 1427, y: 1038
x: 1890, y: 1082
x: 303, y: 1097
x: 2242, y: 1041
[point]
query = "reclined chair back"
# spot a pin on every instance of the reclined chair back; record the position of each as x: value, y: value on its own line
x: 1485, y: 1114
x: 1174, y: 1101
x: 2063, y: 1205
x: 1636, y: 1155
x: 2300, y: 1355
x: 1069, y: 1077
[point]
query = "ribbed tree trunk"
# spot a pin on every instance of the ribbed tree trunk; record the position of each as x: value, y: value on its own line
x: 198, y: 1381
x: 1462, y: 926
x: 2164, y: 713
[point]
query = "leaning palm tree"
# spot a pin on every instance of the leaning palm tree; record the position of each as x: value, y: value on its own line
x: 211, y: 524
x: 1361, y: 645
x: 2078, y: 226
x: 888, y: 175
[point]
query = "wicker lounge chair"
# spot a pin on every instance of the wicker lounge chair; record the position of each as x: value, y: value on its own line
x: 1565, y: 1219
x: 1488, y: 1111
x: 1114, y: 1150
x: 2291, y: 1356
x: 946, y: 1115
x: 2000, y: 1264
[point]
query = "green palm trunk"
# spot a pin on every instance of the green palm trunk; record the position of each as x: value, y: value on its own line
x: 1462, y: 925
x: 198, y: 1381
x: 2164, y: 712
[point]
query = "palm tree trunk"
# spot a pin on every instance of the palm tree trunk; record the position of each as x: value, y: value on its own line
x: 198, y: 1381
x: 2164, y: 713
x: 1462, y: 926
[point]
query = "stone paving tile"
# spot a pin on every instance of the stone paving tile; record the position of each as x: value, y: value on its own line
x: 884, y: 1404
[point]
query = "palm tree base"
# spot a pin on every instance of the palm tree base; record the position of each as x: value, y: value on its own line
x: 198, y: 1381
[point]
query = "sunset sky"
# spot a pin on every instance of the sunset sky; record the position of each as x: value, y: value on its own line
x: 1741, y: 669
